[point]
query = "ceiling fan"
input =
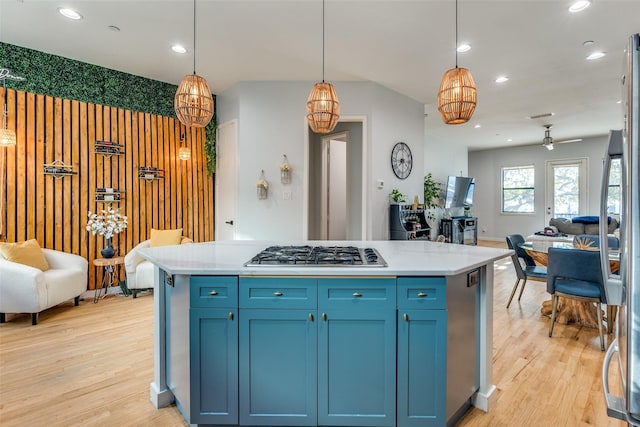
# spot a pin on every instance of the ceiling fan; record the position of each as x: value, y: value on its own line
x: 547, y: 141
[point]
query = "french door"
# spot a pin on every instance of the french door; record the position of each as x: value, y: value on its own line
x: 566, y: 193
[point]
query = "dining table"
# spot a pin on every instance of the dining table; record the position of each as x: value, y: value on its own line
x: 570, y: 310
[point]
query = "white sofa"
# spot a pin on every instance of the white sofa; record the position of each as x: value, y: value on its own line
x: 140, y: 271
x: 25, y: 289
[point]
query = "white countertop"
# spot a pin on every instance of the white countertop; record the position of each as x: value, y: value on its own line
x: 404, y: 258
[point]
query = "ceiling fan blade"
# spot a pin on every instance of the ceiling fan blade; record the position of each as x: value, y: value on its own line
x: 565, y: 141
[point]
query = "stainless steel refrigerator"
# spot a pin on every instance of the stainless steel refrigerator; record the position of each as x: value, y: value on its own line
x: 623, y: 289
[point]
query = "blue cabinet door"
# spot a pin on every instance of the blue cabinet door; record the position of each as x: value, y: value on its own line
x: 278, y: 364
x: 422, y: 368
x: 214, y: 366
x: 357, y: 352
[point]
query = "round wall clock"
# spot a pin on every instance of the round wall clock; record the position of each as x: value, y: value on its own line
x: 401, y: 160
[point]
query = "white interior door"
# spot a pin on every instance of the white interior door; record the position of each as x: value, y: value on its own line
x: 226, y: 180
x: 334, y: 188
x: 566, y: 193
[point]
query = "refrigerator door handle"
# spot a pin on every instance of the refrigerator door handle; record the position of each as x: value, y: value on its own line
x: 615, y: 404
x: 613, y: 282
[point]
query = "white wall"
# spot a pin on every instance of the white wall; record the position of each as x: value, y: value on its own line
x: 271, y: 122
x: 486, y: 167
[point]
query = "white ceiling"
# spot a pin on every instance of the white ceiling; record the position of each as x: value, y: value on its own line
x: 401, y: 44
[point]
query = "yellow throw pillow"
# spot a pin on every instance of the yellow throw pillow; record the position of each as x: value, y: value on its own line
x: 165, y: 237
x: 27, y: 253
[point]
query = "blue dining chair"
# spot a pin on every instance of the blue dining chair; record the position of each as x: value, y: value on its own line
x: 576, y: 274
x: 524, y: 265
x: 612, y: 241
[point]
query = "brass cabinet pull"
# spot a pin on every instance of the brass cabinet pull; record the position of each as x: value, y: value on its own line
x: 405, y: 317
x: 278, y: 294
x: 422, y: 294
x: 310, y: 317
x: 324, y: 316
x: 230, y: 315
x: 357, y: 294
x: 213, y: 293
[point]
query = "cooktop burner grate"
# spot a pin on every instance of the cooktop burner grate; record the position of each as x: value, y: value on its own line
x: 316, y: 256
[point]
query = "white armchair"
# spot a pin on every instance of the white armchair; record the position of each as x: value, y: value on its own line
x: 25, y: 289
x: 140, y: 271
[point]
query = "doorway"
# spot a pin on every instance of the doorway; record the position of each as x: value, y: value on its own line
x: 566, y: 194
x: 336, y: 196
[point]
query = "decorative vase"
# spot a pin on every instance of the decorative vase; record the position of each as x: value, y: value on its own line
x: 108, y: 252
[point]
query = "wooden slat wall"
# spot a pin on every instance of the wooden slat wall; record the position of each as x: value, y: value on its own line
x: 54, y: 211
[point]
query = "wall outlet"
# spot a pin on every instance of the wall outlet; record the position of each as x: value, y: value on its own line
x: 287, y: 195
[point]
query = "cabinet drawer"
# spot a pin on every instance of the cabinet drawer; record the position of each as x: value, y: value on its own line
x: 422, y: 293
x: 214, y: 291
x: 355, y: 293
x: 278, y: 292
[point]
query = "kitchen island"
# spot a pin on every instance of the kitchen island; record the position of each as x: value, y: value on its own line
x: 406, y: 344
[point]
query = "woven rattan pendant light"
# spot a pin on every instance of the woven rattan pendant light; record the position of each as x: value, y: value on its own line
x: 193, y: 101
x: 457, y: 94
x: 323, y: 107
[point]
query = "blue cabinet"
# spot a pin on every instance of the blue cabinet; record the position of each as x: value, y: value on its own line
x: 278, y: 352
x: 422, y: 351
x: 213, y: 319
x: 357, y: 352
x: 302, y: 351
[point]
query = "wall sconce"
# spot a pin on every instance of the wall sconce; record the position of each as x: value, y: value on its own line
x: 285, y: 171
x: 184, y: 153
x: 262, y: 186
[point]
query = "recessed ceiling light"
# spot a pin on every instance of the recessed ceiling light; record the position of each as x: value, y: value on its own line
x: 178, y: 48
x: 509, y: 140
x: 619, y: 101
x: 502, y: 79
x: 69, y: 13
x: 463, y: 48
x: 477, y: 126
x: 579, y: 5
x: 596, y: 55
x: 113, y: 28
x: 587, y: 43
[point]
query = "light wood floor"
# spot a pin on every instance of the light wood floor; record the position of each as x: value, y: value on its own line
x: 91, y: 366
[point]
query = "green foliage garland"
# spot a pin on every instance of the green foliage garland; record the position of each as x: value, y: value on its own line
x: 210, y: 146
x: 66, y: 78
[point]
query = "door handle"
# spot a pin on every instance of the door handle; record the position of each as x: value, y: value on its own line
x: 230, y: 222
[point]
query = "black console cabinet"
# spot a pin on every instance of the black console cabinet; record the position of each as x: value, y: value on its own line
x: 462, y: 230
x: 406, y: 223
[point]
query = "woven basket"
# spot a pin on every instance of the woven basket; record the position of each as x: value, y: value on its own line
x: 457, y: 96
x: 193, y: 101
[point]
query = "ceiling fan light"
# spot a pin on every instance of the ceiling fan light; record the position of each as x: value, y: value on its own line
x: 548, y: 146
x: 457, y: 96
x: 193, y: 101
x: 323, y: 108
x: 7, y: 138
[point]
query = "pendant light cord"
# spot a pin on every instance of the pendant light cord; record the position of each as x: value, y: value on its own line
x: 194, y: 36
x: 323, y: 41
x: 456, y: 33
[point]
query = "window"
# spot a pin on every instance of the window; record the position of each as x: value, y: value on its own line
x: 518, y: 189
x: 613, y: 202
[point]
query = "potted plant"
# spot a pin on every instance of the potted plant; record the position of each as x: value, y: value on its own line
x: 432, y: 195
x: 397, y: 196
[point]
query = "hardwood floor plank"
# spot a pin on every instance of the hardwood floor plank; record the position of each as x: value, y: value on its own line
x: 91, y: 365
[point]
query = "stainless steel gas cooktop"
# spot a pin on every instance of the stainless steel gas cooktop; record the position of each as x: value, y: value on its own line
x: 317, y: 256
